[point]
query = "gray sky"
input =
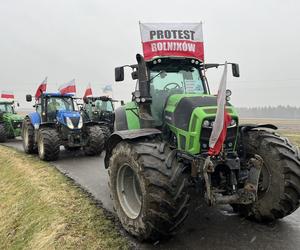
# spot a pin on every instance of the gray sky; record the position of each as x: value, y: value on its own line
x: 86, y: 39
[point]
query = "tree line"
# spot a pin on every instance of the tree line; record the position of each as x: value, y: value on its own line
x: 283, y: 112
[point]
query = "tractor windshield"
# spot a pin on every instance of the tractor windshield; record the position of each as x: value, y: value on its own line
x: 103, y: 106
x: 169, y: 80
x: 59, y: 103
x: 181, y: 81
x: 6, y: 107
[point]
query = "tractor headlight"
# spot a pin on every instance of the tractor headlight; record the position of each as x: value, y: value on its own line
x: 233, y: 123
x: 69, y: 123
x: 80, y: 123
x: 206, y: 123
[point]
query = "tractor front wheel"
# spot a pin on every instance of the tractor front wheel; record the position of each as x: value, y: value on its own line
x: 106, y: 132
x: 150, y: 198
x: 279, y: 183
x: 3, y: 134
x: 48, y: 144
x: 28, y: 137
x: 95, y: 143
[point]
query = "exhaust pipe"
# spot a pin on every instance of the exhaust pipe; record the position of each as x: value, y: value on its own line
x: 145, y: 99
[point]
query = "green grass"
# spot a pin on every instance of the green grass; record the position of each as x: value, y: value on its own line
x: 41, y: 209
x: 294, y: 137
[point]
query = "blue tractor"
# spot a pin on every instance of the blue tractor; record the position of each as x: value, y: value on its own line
x: 57, y: 122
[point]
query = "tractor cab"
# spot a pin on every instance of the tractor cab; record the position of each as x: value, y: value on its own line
x: 100, y: 109
x: 57, y: 108
x: 7, y: 107
x: 171, y: 76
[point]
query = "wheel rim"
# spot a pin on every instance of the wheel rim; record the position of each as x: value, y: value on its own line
x: 129, y: 191
x: 264, y: 181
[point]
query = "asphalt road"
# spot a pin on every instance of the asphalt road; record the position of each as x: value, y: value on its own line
x: 206, y: 228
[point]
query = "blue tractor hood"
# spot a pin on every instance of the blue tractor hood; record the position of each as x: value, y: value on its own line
x: 74, y: 116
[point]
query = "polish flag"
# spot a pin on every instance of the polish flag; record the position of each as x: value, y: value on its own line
x: 222, y: 120
x: 68, y: 87
x: 7, y: 95
x: 88, y: 91
x: 41, y: 89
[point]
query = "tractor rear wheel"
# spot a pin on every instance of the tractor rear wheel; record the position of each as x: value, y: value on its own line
x: 28, y: 137
x: 48, y: 144
x: 3, y: 134
x: 95, y: 144
x: 106, y: 132
x: 150, y: 198
x: 279, y: 185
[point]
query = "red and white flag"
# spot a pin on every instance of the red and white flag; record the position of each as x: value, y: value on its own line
x: 7, y: 95
x: 222, y: 120
x: 172, y: 39
x: 88, y: 91
x: 41, y: 89
x: 68, y: 88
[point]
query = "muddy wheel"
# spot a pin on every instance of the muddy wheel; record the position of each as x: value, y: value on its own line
x: 28, y: 137
x: 151, y: 200
x: 279, y: 184
x: 3, y: 135
x: 106, y: 132
x: 95, y: 144
x: 48, y: 144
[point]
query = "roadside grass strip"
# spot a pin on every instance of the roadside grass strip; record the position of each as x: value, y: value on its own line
x: 42, y: 209
x: 293, y: 137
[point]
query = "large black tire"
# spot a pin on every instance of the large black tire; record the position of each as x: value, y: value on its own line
x: 3, y: 134
x: 29, y: 145
x: 279, y: 189
x: 106, y: 132
x: 95, y: 144
x: 48, y: 144
x: 163, y: 196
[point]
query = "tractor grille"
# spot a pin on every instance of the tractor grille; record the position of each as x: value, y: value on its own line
x: 75, y: 121
x: 17, y: 124
x: 229, y: 141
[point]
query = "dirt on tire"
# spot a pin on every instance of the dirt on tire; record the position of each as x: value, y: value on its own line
x: 3, y: 134
x: 96, y: 141
x: 48, y: 138
x: 28, y: 143
x: 165, y: 197
x: 282, y: 168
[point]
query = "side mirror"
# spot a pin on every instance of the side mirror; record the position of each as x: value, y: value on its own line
x: 119, y: 74
x: 235, y: 70
x: 28, y: 98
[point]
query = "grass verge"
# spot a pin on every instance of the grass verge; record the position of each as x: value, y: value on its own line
x: 294, y: 137
x: 42, y: 209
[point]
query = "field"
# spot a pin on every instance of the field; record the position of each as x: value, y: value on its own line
x: 42, y: 209
x: 288, y: 128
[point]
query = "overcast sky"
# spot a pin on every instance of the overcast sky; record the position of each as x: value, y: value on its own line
x: 86, y: 39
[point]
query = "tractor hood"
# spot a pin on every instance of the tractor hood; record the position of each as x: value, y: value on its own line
x: 180, y: 108
x: 71, y: 119
x: 13, y: 117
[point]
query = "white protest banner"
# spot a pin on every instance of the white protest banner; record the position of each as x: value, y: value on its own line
x: 172, y: 39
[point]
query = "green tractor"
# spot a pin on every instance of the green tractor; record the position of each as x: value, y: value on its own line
x: 100, y: 109
x: 159, y: 152
x: 10, y: 122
